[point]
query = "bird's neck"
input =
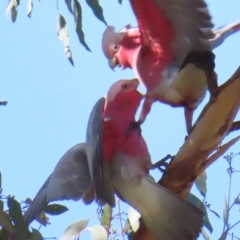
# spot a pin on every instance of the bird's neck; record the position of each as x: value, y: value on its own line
x: 130, y: 47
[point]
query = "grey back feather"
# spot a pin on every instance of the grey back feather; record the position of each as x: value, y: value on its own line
x: 69, y: 180
x: 100, y: 171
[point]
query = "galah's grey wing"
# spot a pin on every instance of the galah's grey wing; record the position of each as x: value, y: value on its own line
x: 166, y: 215
x: 69, y: 180
x: 100, y: 172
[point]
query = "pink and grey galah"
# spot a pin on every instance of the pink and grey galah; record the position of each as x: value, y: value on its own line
x: 169, y: 51
x: 110, y: 163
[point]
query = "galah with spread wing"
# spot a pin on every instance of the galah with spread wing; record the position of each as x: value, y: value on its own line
x: 168, y: 31
x: 110, y: 163
x: 120, y: 164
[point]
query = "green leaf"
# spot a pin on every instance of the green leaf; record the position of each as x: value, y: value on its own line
x: 42, y: 218
x: 215, y: 213
x: 98, y: 232
x: 29, y: 8
x: 9, y: 6
x: 195, y: 201
x: 198, y: 203
x: 63, y: 36
x: 205, y: 235
x: 55, y: 209
x: 97, y: 10
x: 69, y: 5
x: 78, y: 23
x: 106, y: 216
x: 15, y: 213
x: 14, y: 14
x: 36, y: 235
x: 133, y: 217
x: 225, y: 212
x: 12, y: 6
x: 201, y: 183
x: 5, y: 222
x: 74, y: 229
x: 28, y: 201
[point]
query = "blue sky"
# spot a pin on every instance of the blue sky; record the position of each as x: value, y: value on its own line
x: 50, y: 101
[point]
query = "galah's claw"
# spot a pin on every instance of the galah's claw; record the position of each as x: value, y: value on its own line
x: 213, y: 86
x: 162, y: 164
x: 188, y: 118
x: 134, y: 125
x: 235, y: 126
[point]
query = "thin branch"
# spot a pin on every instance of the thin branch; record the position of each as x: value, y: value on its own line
x: 235, y: 224
x: 234, y: 201
x: 57, y: 5
x: 233, y: 236
x: 120, y: 218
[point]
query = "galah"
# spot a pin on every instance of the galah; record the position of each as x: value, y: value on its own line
x: 120, y: 164
x: 168, y: 31
x: 111, y: 163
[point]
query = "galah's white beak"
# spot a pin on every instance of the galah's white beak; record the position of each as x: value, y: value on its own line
x: 136, y: 83
x: 112, y: 62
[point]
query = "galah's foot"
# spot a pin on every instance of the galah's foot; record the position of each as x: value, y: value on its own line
x: 188, y: 113
x: 162, y: 164
x: 213, y: 86
x: 134, y: 125
x: 235, y: 126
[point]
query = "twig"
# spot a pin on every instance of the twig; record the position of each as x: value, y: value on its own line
x: 120, y: 218
x: 229, y: 160
x: 235, y: 224
x: 234, y: 201
x: 57, y: 5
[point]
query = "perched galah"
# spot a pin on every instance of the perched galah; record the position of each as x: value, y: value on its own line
x: 120, y: 164
x: 169, y: 30
x: 110, y: 163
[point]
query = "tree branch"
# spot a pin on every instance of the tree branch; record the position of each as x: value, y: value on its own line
x: 202, y: 148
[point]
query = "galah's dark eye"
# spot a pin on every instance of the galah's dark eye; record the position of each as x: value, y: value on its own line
x: 124, y: 86
x: 115, y: 47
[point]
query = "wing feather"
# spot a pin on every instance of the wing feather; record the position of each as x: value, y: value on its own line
x: 69, y: 180
x: 100, y: 171
x: 174, y: 27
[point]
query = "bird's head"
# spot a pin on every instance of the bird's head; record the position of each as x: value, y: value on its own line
x: 123, y: 98
x: 118, y: 46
